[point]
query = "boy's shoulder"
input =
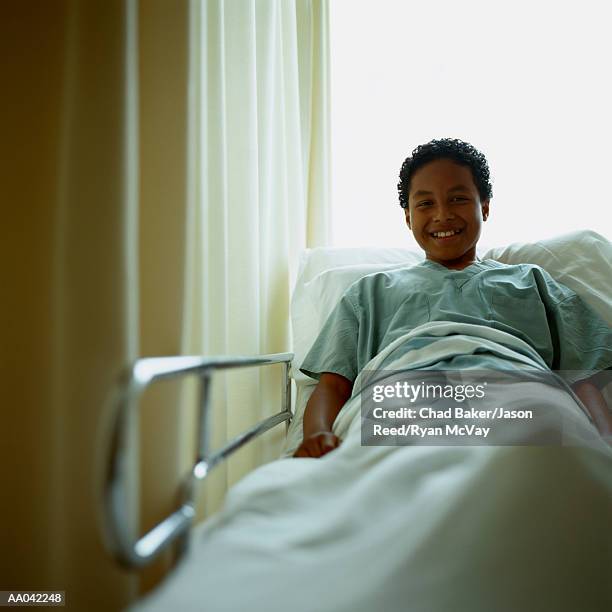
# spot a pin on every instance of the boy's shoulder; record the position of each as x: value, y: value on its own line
x: 390, y: 275
x: 530, y: 273
x: 525, y: 267
x: 375, y: 282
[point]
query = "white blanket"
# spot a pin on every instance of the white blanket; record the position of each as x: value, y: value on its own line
x: 418, y: 528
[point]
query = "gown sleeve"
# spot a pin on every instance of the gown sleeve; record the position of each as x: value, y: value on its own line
x: 335, y: 349
x: 582, y: 340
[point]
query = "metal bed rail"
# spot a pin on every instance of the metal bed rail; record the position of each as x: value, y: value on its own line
x: 136, y: 554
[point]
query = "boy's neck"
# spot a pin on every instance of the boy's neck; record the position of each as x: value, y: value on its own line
x: 457, y: 264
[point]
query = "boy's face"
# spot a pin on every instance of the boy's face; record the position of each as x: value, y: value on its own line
x: 436, y: 203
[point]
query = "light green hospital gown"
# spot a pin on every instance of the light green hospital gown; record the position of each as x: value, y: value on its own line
x: 523, y: 300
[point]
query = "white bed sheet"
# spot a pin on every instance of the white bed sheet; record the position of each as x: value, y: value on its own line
x: 418, y: 528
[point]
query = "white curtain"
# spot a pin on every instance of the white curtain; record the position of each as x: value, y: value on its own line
x: 164, y: 163
x: 262, y: 197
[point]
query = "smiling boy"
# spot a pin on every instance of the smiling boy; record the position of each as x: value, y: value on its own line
x: 446, y: 221
x: 445, y: 191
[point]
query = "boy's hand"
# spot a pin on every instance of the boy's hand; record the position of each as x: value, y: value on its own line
x: 317, y: 444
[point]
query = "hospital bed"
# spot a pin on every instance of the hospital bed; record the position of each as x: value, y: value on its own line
x: 266, y: 547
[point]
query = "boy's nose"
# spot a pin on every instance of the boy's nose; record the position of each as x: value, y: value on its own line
x: 443, y: 213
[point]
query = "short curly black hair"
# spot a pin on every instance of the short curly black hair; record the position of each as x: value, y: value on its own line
x: 447, y: 148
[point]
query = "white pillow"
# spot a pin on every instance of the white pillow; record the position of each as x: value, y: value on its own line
x: 321, y: 259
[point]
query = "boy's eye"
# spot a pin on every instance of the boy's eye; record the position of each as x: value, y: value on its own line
x: 427, y: 202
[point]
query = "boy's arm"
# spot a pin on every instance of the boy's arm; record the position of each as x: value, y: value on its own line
x: 332, y: 392
x: 596, y: 405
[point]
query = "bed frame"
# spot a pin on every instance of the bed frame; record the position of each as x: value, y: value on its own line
x: 135, y: 554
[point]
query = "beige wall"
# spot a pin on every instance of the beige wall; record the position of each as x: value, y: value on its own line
x: 163, y: 141
x: 68, y: 311
x: 29, y: 171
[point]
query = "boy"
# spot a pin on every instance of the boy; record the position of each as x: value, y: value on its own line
x: 445, y: 192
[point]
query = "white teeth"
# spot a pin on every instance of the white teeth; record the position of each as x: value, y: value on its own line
x: 445, y: 234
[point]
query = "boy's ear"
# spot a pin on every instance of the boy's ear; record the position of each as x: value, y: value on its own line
x: 485, y: 210
x: 407, y: 213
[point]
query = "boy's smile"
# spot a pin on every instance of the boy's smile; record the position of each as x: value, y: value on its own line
x: 445, y: 213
